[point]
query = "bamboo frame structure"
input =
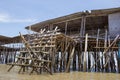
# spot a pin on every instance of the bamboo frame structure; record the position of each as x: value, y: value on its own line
x: 39, y: 53
x: 82, y: 43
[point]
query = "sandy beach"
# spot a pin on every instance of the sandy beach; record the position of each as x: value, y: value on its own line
x: 13, y: 75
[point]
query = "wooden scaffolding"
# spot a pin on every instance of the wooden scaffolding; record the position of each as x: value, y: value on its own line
x: 42, y: 51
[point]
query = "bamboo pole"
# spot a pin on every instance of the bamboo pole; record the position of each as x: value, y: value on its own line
x: 85, y: 52
x: 74, y: 61
x: 79, y: 61
x: 96, y: 52
x: 70, y: 59
x: 105, y: 46
x: 106, y: 50
x: 118, y: 58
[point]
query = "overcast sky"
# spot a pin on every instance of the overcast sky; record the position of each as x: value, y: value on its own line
x: 15, y: 15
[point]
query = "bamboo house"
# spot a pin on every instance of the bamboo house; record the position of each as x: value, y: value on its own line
x: 83, y: 41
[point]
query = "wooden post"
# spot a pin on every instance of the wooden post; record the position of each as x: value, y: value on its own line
x: 96, y: 52
x: 106, y: 50
x: 83, y: 22
x: 79, y: 61
x: 105, y: 46
x: 70, y: 59
x: 118, y: 57
x: 74, y: 61
x: 85, y: 51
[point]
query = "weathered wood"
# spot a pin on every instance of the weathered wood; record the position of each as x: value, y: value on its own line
x: 105, y: 51
x: 79, y: 58
x: 40, y: 52
x: 70, y: 59
x: 97, y: 51
x: 85, y: 51
x: 118, y: 57
x: 97, y: 39
x: 74, y: 61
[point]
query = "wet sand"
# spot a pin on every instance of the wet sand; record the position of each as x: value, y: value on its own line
x: 13, y: 75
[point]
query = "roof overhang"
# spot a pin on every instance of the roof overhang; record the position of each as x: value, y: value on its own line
x: 94, y: 13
